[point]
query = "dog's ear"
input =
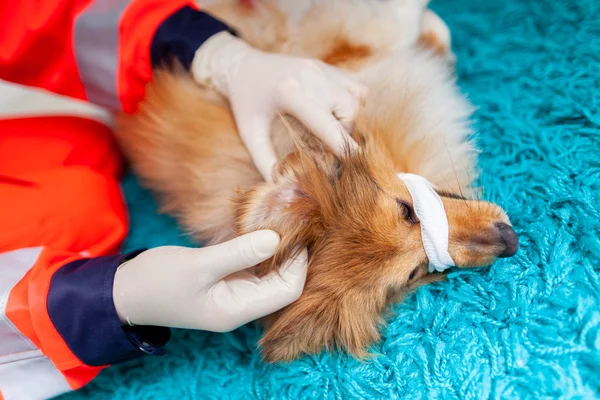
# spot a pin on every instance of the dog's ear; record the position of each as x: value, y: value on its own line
x: 319, y: 321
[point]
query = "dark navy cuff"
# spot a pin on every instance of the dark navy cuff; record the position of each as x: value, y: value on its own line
x: 81, y: 307
x: 181, y: 34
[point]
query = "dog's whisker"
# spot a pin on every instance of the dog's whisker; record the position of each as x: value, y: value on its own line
x: 455, y: 173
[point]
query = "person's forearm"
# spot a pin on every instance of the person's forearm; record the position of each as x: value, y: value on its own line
x: 81, y: 307
x: 59, y: 325
x: 102, y: 51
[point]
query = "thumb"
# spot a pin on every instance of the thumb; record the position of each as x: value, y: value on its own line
x: 240, y: 253
x: 255, y: 131
x: 276, y: 290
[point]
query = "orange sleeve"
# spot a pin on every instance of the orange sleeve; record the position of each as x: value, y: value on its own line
x: 36, y: 44
x: 97, y: 50
x: 138, y: 26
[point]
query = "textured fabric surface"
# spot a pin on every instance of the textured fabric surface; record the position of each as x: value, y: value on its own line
x: 529, y: 326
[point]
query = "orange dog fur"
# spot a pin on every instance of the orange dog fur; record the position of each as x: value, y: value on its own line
x: 353, y: 214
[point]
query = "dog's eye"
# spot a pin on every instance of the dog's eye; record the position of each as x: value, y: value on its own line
x: 407, y: 212
x: 412, y: 274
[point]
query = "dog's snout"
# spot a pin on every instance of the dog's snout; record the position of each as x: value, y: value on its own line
x: 509, y: 238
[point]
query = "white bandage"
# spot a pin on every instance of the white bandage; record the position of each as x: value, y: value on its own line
x: 434, y: 222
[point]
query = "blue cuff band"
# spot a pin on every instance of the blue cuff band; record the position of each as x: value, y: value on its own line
x: 81, y: 307
x: 181, y: 34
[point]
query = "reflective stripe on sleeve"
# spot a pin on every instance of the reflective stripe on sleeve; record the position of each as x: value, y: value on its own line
x: 13, y: 267
x: 25, y: 373
x: 96, y: 41
x: 32, y: 378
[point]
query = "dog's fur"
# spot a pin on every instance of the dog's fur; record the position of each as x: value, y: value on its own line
x: 353, y: 214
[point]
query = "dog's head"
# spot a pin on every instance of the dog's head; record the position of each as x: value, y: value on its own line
x: 364, y: 240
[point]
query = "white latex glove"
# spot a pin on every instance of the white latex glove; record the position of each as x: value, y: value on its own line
x: 259, y: 85
x: 206, y: 288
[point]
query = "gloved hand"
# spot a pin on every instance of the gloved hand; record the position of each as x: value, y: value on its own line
x: 207, y: 288
x: 259, y: 85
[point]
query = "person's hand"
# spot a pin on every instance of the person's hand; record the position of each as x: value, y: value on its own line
x: 206, y: 288
x: 259, y: 85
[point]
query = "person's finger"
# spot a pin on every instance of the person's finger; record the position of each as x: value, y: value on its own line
x: 346, y: 107
x: 321, y: 123
x: 240, y: 253
x: 346, y: 110
x: 357, y: 89
x: 278, y: 289
x: 292, y: 273
x: 255, y: 133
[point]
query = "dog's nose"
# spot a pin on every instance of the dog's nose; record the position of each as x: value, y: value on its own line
x: 509, y: 238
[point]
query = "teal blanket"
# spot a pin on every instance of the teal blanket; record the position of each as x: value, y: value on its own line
x: 529, y: 326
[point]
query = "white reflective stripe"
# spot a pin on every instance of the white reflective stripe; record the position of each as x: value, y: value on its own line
x: 13, y: 267
x: 17, y: 101
x: 25, y: 373
x: 433, y: 220
x: 33, y: 378
x: 96, y: 40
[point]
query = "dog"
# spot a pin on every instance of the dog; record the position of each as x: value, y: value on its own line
x: 354, y: 215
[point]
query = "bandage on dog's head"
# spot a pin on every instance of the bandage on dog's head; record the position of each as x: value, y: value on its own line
x: 363, y: 229
x: 429, y: 208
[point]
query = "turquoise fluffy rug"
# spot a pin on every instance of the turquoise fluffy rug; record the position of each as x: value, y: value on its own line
x: 529, y: 326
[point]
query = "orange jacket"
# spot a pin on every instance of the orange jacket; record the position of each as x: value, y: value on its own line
x: 62, y: 218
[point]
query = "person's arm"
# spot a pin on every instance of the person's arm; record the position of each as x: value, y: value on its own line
x: 58, y: 323
x: 105, y: 50
x: 65, y: 318
x: 102, y: 51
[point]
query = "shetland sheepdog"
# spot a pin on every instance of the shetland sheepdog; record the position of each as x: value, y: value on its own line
x: 353, y: 214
